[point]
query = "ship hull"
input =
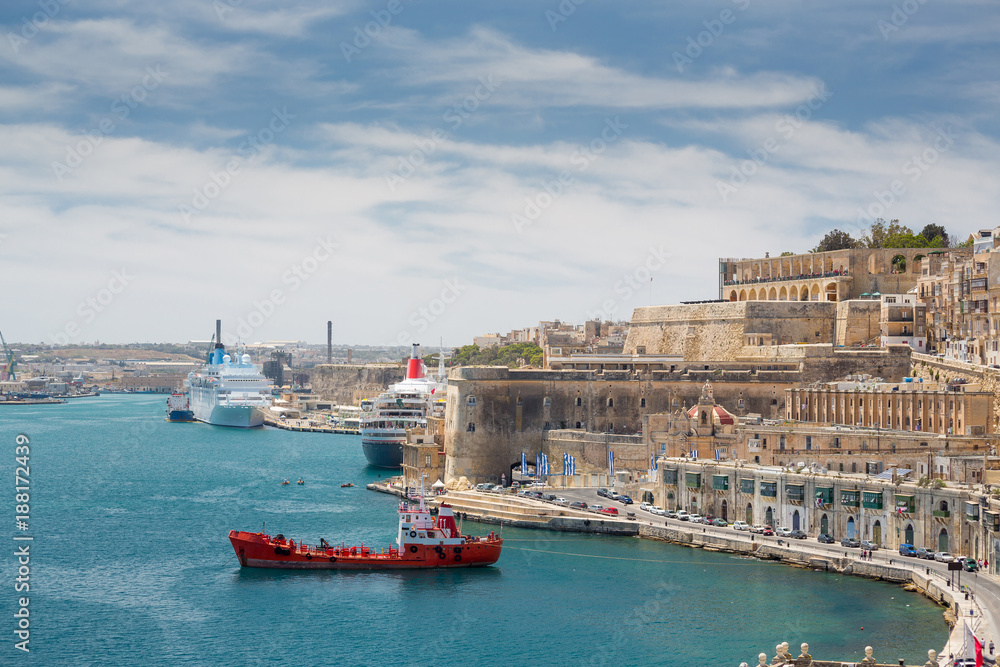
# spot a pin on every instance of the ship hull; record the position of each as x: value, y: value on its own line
x: 256, y: 550
x: 180, y: 416
x: 234, y: 416
x: 383, y: 453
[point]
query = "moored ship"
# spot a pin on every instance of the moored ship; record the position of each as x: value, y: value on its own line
x: 404, y: 406
x: 228, y: 392
x: 179, y: 408
x: 422, y: 542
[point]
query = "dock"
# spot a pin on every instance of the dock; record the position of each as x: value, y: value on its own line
x: 307, y: 426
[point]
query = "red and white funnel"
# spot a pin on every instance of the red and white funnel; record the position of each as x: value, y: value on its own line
x: 415, y: 367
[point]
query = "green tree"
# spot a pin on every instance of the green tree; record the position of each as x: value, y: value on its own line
x: 932, y: 232
x: 787, y: 254
x: 883, y: 235
x: 836, y: 240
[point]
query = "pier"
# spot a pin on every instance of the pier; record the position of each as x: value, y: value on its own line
x: 307, y: 425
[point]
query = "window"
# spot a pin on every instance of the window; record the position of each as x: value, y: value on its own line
x: 471, y: 428
x: 781, y: 443
x: 642, y: 402
x: 427, y: 460
x: 547, y: 402
x: 471, y: 400
x: 579, y: 401
x: 611, y: 402
x: 809, y: 442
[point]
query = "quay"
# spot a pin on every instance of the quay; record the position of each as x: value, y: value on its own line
x: 307, y: 425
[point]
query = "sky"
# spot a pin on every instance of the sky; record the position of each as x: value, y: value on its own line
x: 420, y: 171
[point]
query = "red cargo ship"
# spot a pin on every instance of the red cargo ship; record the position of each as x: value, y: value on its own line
x: 423, y: 542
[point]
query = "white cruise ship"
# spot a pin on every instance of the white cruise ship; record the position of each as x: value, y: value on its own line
x: 229, y: 393
x: 404, y: 406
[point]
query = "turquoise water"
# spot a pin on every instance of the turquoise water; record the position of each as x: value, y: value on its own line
x: 131, y: 565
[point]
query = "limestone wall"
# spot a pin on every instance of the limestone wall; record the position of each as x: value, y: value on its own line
x: 857, y: 321
x: 715, y: 331
x: 494, y: 414
x: 349, y: 384
x: 930, y: 367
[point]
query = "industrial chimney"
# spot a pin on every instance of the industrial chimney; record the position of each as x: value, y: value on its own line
x: 329, y: 341
x: 218, y: 335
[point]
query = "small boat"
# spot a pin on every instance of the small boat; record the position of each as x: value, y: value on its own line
x: 347, y: 485
x: 300, y: 481
x: 285, y: 483
x: 423, y: 542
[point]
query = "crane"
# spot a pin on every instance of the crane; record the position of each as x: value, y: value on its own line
x: 8, y: 369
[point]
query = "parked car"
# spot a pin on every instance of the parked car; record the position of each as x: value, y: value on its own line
x: 524, y: 493
x: 603, y: 493
x: 611, y: 511
x: 561, y: 501
x: 757, y: 528
x: 682, y: 515
x: 657, y: 510
x: 644, y: 506
x: 579, y: 504
x: 670, y: 514
x: 970, y: 565
x: 483, y: 487
x: 767, y: 531
x: 824, y: 538
x: 870, y: 546
x: 943, y: 557
x: 694, y: 518
x: 612, y: 495
x: 850, y: 542
x: 550, y: 496
x: 597, y: 508
x: 783, y: 532
x: 907, y: 550
x: 625, y: 500
x: 798, y: 535
x: 741, y: 525
x: 925, y: 554
x: 721, y: 523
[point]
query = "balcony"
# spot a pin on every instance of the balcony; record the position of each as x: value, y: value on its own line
x: 941, y: 514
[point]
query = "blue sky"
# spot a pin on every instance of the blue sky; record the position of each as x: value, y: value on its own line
x: 419, y: 170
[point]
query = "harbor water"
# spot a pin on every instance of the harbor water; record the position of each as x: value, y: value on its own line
x: 130, y: 564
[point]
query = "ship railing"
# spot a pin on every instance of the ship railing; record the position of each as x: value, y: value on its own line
x: 342, y: 550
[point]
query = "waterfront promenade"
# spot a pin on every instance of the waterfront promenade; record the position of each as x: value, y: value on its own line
x: 981, y: 610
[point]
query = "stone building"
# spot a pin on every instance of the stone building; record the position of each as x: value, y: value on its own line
x: 837, y: 275
x: 903, y: 321
x: 958, y: 409
x: 888, y: 509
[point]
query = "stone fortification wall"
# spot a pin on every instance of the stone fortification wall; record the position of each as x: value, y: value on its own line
x: 591, y: 450
x: 857, y: 321
x: 715, y: 331
x: 933, y: 368
x: 349, y: 384
x: 494, y: 414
